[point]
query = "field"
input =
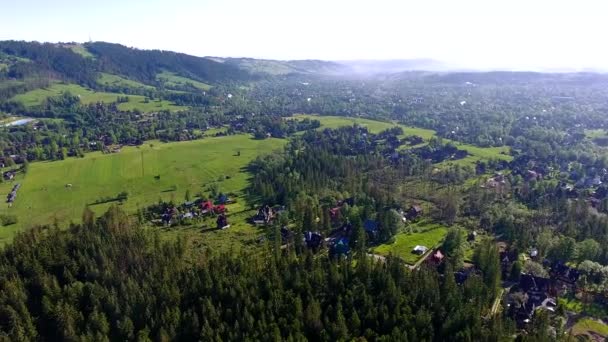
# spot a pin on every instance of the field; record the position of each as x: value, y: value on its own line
x: 36, y: 97
x: 181, y: 166
x: 429, y: 235
x: 172, y: 80
x: 117, y: 81
x: 81, y: 50
x: 475, y: 153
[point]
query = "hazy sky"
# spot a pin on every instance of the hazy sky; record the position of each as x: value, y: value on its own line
x: 465, y: 33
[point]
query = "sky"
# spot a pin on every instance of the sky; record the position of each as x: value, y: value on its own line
x: 479, y: 34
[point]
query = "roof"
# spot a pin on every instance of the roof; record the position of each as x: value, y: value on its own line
x: 420, y: 248
x: 370, y: 226
x: 416, y: 207
x: 438, y: 255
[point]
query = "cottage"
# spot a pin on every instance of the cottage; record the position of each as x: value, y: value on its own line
x: 371, y: 228
x: 339, y: 247
x: 264, y: 216
x: 414, y: 212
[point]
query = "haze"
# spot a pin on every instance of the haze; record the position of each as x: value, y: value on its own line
x: 475, y: 34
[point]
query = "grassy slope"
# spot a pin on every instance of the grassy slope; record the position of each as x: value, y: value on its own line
x: 185, y: 165
x: 81, y: 50
x: 587, y: 325
x: 475, y: 153
x: 429, y: 235
x: 172, y: 80
x: 36, y: 97
x: 114, y: 80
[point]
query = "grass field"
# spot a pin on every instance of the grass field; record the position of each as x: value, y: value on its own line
x: 36, y: 97
x: 182, y: 166
x: 81, y: 50
x: 429, y: 235
x: 117, y: 81
x: 475, y: 153
x: 170, y: 79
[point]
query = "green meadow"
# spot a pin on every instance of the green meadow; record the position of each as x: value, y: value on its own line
x: 148, y: 173
x: 36, y: 97
x: 81, y: 50
x: 425, y: 234
x: 170, y: 79
x: 475, y: 152
x: 117, y: 81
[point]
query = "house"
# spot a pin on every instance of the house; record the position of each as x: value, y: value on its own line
x: 222, y: 222
x: 371, y: 228
x: 207, y: 207
x: 339, y: 247
x: 265, y: 215
x: 437, y: 257
x: 564, y: 274
x: 314, y: 240
x: 414, y: 211
x: 472, y: 236
x: 532, y: 293
x: 420, y: 250
x: 9, y: 175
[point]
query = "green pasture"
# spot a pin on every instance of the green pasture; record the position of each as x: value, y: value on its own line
x: 425, y: 234
x: 117, y: 81
x: 193, y: 165
x: 36, y: 97
x: 170, y: 79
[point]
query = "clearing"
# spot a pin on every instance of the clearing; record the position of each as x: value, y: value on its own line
x: 171, y: 80
x: 192, y: 165
x: 117, y: 81
x: 425, y: 234
x: 36, y: 97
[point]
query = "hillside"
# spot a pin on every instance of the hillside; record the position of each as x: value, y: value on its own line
x: 278, y: 67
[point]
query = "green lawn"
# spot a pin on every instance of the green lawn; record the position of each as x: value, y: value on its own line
x: 429, y: 235
x: 170, y: 79
x: 588, y: 325
x: 114, y: 80
x: 475, y: 153
x: 577, y: 306
x: 182, y: 166
x: 36, y: 97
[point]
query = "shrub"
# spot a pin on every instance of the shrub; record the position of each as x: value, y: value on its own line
x: 7, y: 220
